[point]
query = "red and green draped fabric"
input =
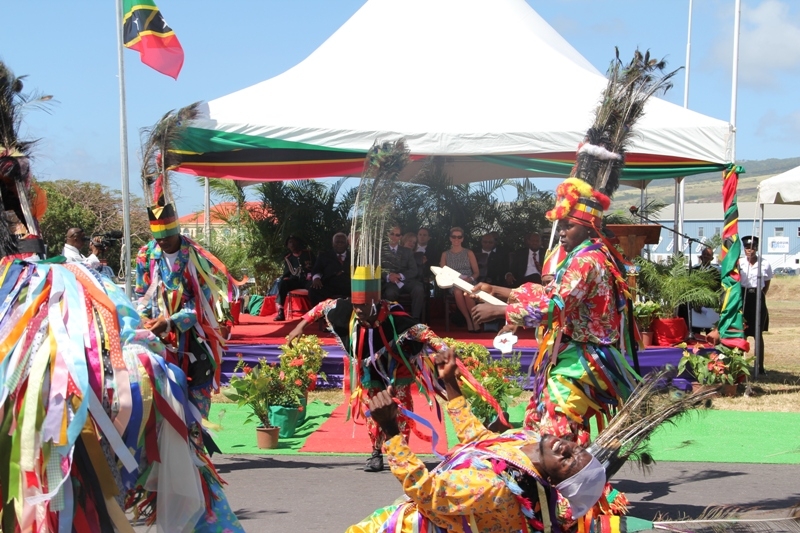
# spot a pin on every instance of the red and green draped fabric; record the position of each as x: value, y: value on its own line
x: 146, y: 31
x: 731, y: 328
x: 220, y: 154
x: 637, y: 166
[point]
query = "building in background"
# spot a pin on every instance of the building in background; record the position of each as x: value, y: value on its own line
x: 780, y: 244
x: 223, y: 216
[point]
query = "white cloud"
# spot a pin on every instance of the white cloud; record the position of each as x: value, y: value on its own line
x: 769, y: 44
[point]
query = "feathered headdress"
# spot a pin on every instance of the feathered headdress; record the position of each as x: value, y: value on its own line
x: 601, y: 156
x: 19, y: 228
x: 157, y: 162
x: 372, y: 209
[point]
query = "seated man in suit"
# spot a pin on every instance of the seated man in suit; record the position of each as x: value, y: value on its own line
x: 492, y: 263
x: 330, y: 276
x: 399, y: 271
x: 425, y: 254
x: 296, y: 272
x: 526, y: 263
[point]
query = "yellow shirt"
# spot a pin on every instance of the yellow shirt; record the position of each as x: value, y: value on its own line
x: 448, y: 499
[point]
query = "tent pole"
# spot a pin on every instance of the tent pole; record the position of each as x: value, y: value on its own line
x: 678, y: 242
x: 207, y: 213
x: 759, y: 296
x: 681, y: 196
x: 123, y: 157
x: 679, y: 218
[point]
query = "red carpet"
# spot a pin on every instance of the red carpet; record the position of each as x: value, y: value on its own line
x: 264, y: 330
x: 336, y: 435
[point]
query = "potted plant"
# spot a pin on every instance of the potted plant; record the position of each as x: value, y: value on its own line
x: 257, y: 386
x: 723, y: 366
x: 286, y: 399
x: 671, y: 285
x: 303, y: 360
x: 500, y: 377
x: 644, y: 312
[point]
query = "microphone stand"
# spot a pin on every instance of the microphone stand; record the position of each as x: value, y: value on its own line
x: 676, y: 232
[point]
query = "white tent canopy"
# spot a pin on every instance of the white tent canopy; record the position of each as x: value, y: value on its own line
x: 456, y: 78
x: 781, y: 189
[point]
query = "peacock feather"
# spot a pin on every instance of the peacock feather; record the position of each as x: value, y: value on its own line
x: 374, y: 200
x: 15, y: 176
x: 621, y: 105
x: 157, y: 159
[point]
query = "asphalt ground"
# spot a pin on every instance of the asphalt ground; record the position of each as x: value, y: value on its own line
x: 326, y: 494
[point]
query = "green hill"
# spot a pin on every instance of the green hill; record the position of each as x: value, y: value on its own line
x: 707, y: 187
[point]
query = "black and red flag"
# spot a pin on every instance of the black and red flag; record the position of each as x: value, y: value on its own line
x: 146, y: 31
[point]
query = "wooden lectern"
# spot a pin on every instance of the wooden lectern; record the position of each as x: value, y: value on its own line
x: 633, y: 237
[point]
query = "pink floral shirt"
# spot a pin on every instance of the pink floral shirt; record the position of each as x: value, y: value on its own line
x: 583, y: 290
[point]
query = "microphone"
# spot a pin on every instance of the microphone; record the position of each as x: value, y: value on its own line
x: 114, y: 234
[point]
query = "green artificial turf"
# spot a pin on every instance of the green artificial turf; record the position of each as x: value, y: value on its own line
x: 706, y: 436
x: 239, y: 437
x: 712, y: 436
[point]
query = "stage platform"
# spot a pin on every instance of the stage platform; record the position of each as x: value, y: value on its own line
x: 256, y: 337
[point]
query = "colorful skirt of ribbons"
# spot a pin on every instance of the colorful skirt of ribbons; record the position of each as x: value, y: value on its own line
x: 92, y: 417
x: 585, y: 382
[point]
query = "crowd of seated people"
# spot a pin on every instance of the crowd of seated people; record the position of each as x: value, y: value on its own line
x: 406, y: 261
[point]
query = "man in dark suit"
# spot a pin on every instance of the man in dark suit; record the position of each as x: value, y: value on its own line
x: 492, y: 263
x: 526, y: 263
x: 399, y: 270
x: 330, y: 277
x: 297, y: 266
x: 426, y: 255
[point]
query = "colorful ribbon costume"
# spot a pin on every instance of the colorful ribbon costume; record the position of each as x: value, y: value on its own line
x: 94, y: 419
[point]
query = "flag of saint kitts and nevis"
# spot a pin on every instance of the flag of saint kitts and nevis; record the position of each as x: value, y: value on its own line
x: 145, y: 30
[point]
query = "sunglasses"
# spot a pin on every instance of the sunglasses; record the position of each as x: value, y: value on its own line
x: 395, y: 234
x: 456, y: 236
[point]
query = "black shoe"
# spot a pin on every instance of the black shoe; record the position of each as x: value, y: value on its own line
x: 374, y: 463
x: 280, y: 317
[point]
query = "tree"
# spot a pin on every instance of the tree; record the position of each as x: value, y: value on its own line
x: 307, y: 209
x: 95, y: 208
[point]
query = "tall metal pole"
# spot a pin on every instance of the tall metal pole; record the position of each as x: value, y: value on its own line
x: 735, y: 77
x: 207, y: 214
x: 734, y: 87
x: 682, y: 181
x: 123, y: 156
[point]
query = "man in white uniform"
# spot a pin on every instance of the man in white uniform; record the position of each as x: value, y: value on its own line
x: 748, y: 269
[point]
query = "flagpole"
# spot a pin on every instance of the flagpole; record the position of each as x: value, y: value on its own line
x: 123, y: 156
x: 735, y: 74
x: 682, y: 181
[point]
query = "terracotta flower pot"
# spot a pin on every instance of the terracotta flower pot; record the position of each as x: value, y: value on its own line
x: 647, y: 338
x: 729, y: 391
x: 267, y: 438
x: 697, y: 387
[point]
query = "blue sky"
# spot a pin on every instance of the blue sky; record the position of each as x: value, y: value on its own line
x: 70, y: 52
